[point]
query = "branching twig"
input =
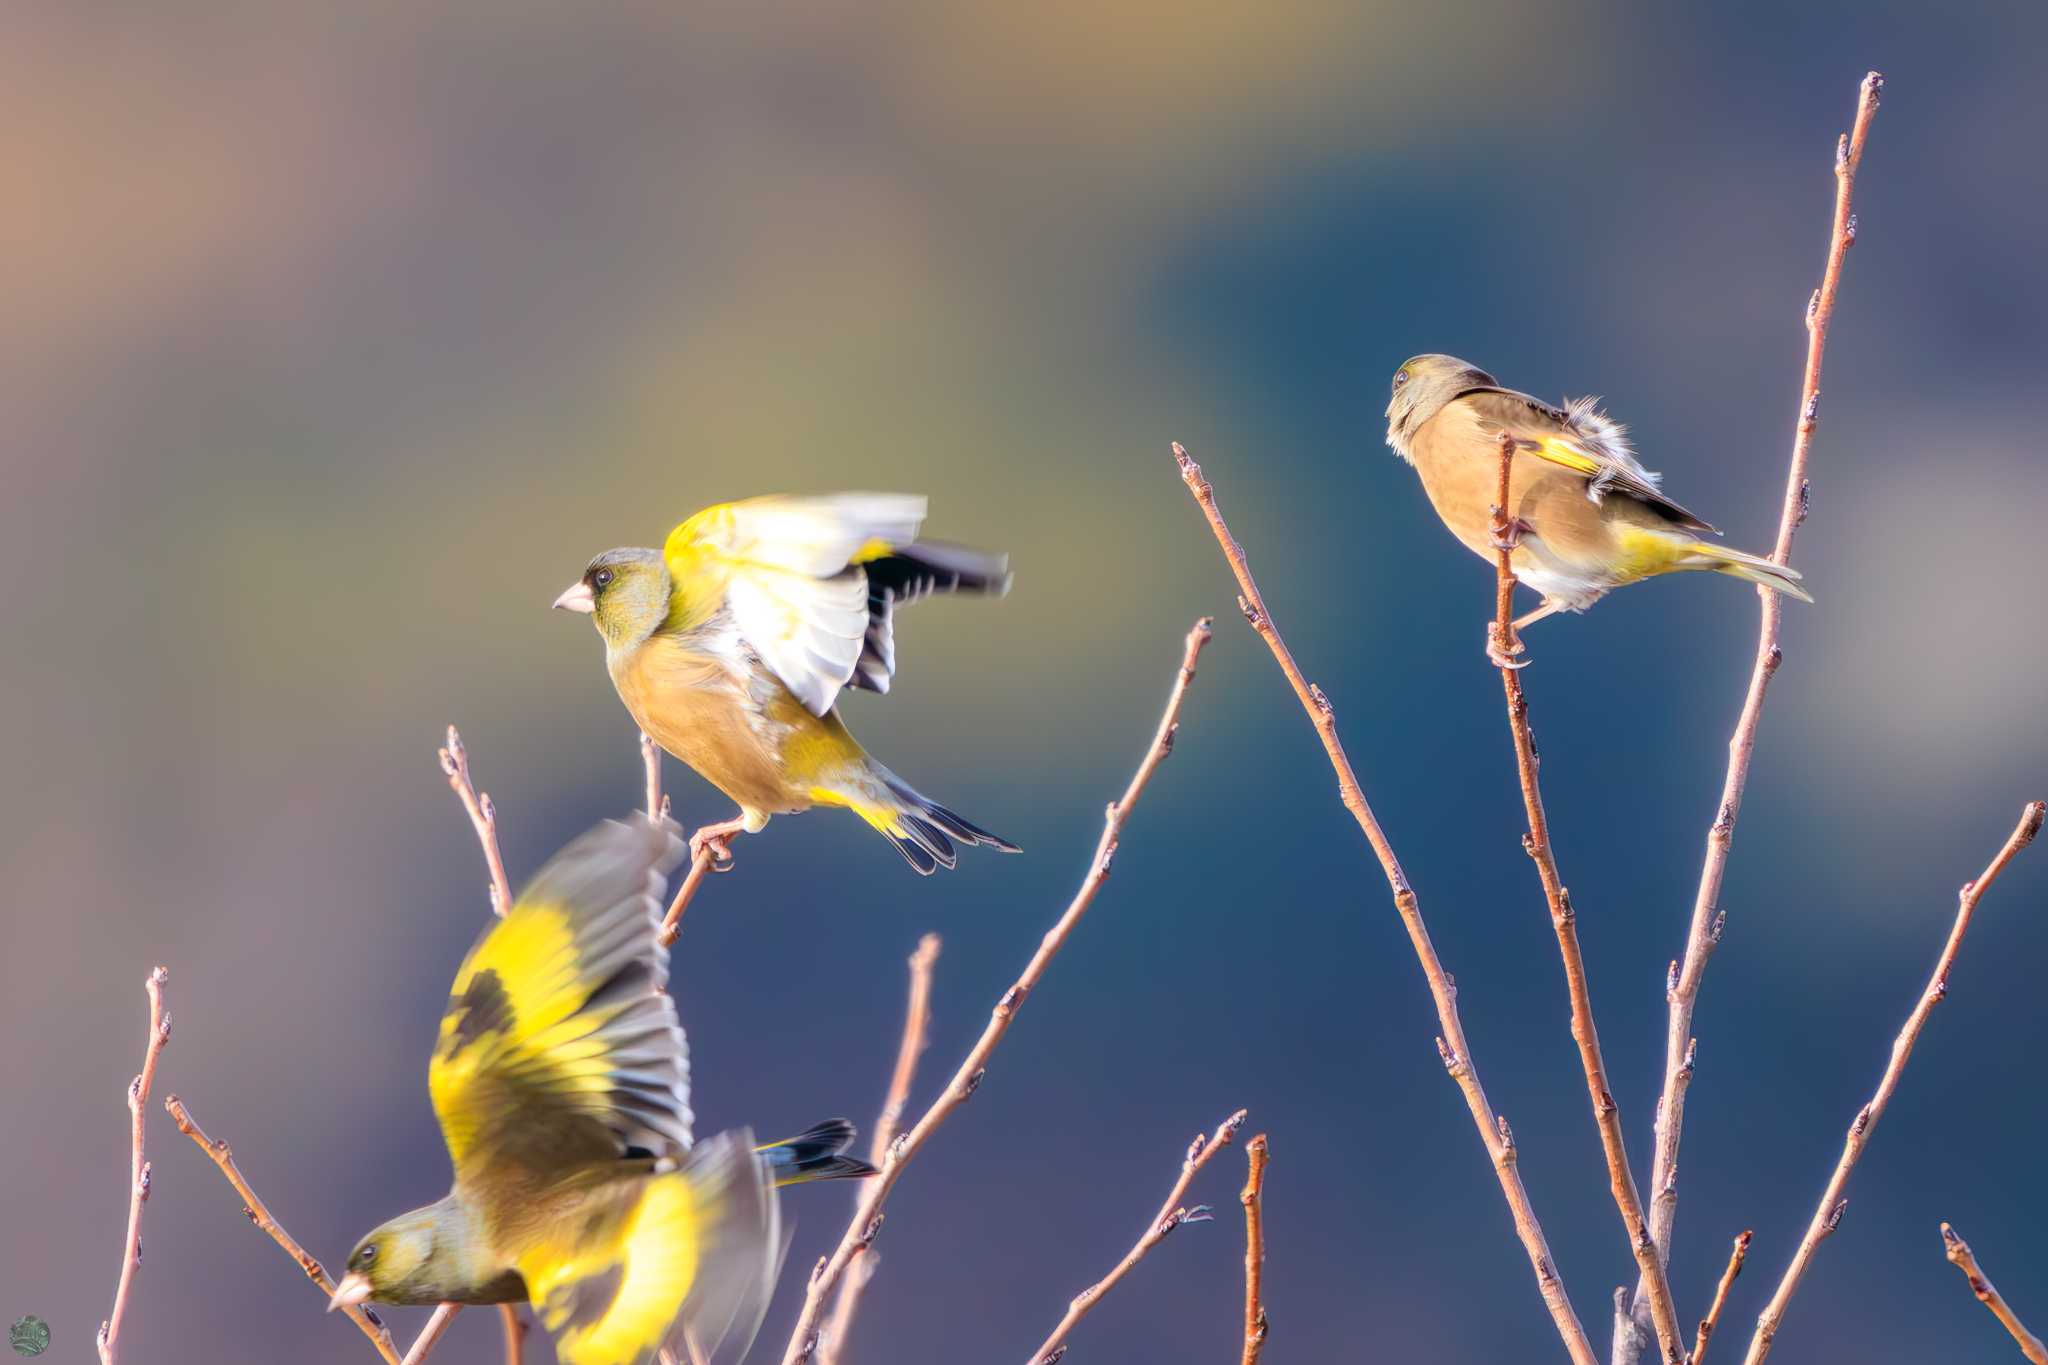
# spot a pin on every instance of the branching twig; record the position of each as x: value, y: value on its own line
x: 1736, y: 1257
x: 372, y: 1326
x: 867, y: 1218
x: 138, y: 1167
x: 1564, y: 920
x: 482, y: 814
x: 917, y: 1018
x: 1171, y: 1215
x: 1960, y: 1256
x: 1682, y: 983
x: 1253, y: 1196
x: 1451, y: 1045
x: 1829, y: 1211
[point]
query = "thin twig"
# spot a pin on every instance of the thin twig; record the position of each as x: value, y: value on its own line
x: 917, y: 1018
x: 1253, y: 1197
x: 671, y: 923
x: 482, y: 814
x: 1828, y: 1213
x: 1564, y: 921
x: 430, y: 1335
x: 1736, y: 1257
x: 1451, y: 1045
x: 138, y: 1167
x: 372, y: 1326
x: 484, y: 817
x: 515, y: 1332
x: 1172, y: 1214
x: 867, y: 1218
x: 650, y: 762
x: 1682, y: 982
x: 1960, y: 1255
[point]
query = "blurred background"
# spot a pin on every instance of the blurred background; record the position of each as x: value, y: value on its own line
x: 338, y: 337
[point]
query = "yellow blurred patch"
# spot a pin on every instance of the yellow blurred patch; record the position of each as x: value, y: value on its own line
x: 658, y: 1247
x: 507, y: 1009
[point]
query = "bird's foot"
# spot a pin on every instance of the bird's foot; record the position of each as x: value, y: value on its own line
x: 1506, y: 535
x: 716, y: 841
x: 1504, y: 653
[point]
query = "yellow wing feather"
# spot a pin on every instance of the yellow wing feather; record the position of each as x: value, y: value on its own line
x: 559, y: 1044
x: 658, y: 1259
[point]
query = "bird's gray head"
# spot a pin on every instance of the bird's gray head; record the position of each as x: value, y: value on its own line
x: 1422, y: 386
x: 624, y: 592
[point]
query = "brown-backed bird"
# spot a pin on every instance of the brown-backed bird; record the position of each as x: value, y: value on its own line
x: 1586, y: 516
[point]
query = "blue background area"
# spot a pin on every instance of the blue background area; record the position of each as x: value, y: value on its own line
x: 339, y: 338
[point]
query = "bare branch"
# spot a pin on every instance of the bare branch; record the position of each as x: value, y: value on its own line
x: 372, y: 1326
x: 1564, y: 921
x: 482, y: 815
x: 867, y: 1218
x: 1172, y: 1214
x: 917, y: 1018
x: 138, y: 1167
x: 1704, y: 930
x: 1451, y: 1045
x: 1253, y: 1196
x: 430, y: 1335
x: 515, y: 1332
x: 671, y: 923
x: 1828, y: 1213
x: 650, y: 761
x: 1736, y: 1257
x: 1960, y: 1255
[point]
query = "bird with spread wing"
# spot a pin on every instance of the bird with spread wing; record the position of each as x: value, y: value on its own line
x: 731, y: 644
x: 561, y: 1081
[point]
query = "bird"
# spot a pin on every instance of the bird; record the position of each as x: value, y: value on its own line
x: 560, y: 1077
x: 731, y: 645
x: 1585, y: 516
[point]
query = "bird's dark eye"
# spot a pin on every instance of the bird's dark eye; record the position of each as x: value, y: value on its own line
x: 366, y: 1255
x: 1400, y: 378
x: 602, y: 578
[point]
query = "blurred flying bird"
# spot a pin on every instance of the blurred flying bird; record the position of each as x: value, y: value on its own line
x: 1586, y: 516
x: 731, y: 644
x: 561, y: 1082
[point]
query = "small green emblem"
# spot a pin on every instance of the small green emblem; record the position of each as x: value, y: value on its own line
x: 30, y: 1336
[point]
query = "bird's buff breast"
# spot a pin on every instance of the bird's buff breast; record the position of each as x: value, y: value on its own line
x: 708, y: 714
x: 1572, y: 549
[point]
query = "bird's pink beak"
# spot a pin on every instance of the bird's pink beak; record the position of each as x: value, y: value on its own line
x: 353, y: 1289
x: 578, y: 598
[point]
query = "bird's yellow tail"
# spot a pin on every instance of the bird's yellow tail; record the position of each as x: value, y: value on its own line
x: 1752, y: 569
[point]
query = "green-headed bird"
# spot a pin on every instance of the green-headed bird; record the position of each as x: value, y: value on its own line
x: 730, y: 646
x: 561, y: 1082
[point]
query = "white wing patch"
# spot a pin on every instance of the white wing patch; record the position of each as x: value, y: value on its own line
x: 1606, y: 441
x: 815, y: 535
x: 796, y: 594
x: 809, y: 630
